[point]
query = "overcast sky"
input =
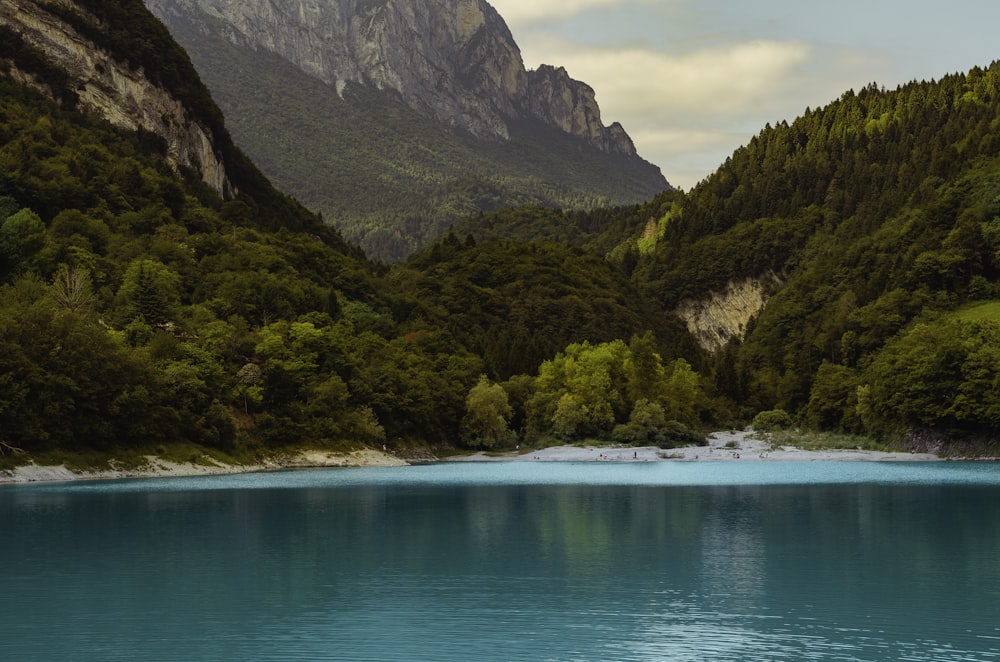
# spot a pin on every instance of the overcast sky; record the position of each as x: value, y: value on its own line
x: 692, y: 80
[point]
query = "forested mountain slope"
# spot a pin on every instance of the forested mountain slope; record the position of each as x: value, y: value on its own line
x: 396, y: 131
x: 141, y: 308
x: 878, y: 214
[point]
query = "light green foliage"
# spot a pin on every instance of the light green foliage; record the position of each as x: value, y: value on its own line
x: 772, y: 421
x: 683, y: 393
x: 613, y: 390
x: 150, y: 290
x: 487, y: 413
x: 582, y: 389
x: 570, y: 418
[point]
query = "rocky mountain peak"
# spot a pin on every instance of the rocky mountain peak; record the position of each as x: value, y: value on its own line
x: 453, y: 60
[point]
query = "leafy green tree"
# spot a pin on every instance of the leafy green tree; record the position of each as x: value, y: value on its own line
x: 249, y: 380
x: 833, y: 399
x: 683, y: 393
x: 570, y: 418
x: 644, y: 370
x: 150, y: 290
x: 773, y: 420
x: 582, y: 390
x: 487, y: 413
x: 70, y: 383
x: 942, y: 375
x: 645, y: 424
x: 22, y: 235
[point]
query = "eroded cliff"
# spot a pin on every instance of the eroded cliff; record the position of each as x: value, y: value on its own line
x: 104, y: 84
x: 722, y: 316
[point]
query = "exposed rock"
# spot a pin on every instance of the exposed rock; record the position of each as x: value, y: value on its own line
x: 571, y: 106
x: 124, y: 97
x: 453, y: 60
x: 726, y: 315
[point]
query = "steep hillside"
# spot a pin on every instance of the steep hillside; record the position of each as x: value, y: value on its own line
x: 397, y: 131
x: 864, y: 223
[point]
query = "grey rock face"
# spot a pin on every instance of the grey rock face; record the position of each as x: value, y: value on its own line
x: 453, y: 60
x: 122, y: 96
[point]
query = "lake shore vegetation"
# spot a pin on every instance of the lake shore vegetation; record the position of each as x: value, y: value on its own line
x: 139, y: 309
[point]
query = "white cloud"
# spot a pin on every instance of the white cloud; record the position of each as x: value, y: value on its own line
x: 719, y: 81
x: 686, y: 155
x: 688, y: 111
x: 691, y: 80
x: 524, y: 12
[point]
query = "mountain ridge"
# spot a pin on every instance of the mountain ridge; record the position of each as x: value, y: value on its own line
x: 453, y: 60
x: 392, y: 178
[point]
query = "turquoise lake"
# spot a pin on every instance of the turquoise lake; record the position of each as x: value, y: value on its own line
x: 510, y: 561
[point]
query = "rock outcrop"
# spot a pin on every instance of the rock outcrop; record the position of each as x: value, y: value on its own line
x: 453, y: 60
x: 106, y: 85
x: 722, y: 316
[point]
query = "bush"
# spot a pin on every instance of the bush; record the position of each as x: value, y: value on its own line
x: 674, y: 434
x: 774, y: 420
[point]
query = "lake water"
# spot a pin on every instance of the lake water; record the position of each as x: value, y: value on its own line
x: 510, y: 561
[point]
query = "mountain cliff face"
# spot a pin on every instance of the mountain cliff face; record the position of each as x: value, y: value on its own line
x: 102, y: 82
x: 452, y: 60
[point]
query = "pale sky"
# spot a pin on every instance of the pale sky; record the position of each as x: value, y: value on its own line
x: 692, y: 80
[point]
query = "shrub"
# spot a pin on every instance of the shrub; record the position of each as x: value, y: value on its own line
x: 772, y: 421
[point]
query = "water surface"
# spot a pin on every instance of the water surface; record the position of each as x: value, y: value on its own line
x: 510, y: 561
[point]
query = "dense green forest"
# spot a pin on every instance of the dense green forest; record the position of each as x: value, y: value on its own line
x: 880, y: 213
x: 139, y: 309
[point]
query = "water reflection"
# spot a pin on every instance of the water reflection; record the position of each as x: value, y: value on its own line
x: 456, y: 572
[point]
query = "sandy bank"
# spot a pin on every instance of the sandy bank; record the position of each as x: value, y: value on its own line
x: 160, y: 468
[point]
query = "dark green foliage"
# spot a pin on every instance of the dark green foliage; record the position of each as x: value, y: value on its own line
x: 130, y: 299
x: 599, y: 230
x: 67, y: 383
x: 32, y: 61
x: 870, y: 213
x: 518, y: 304
x: 942, y: 375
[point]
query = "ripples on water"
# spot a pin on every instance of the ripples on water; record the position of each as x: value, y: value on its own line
x: 510, y: 561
